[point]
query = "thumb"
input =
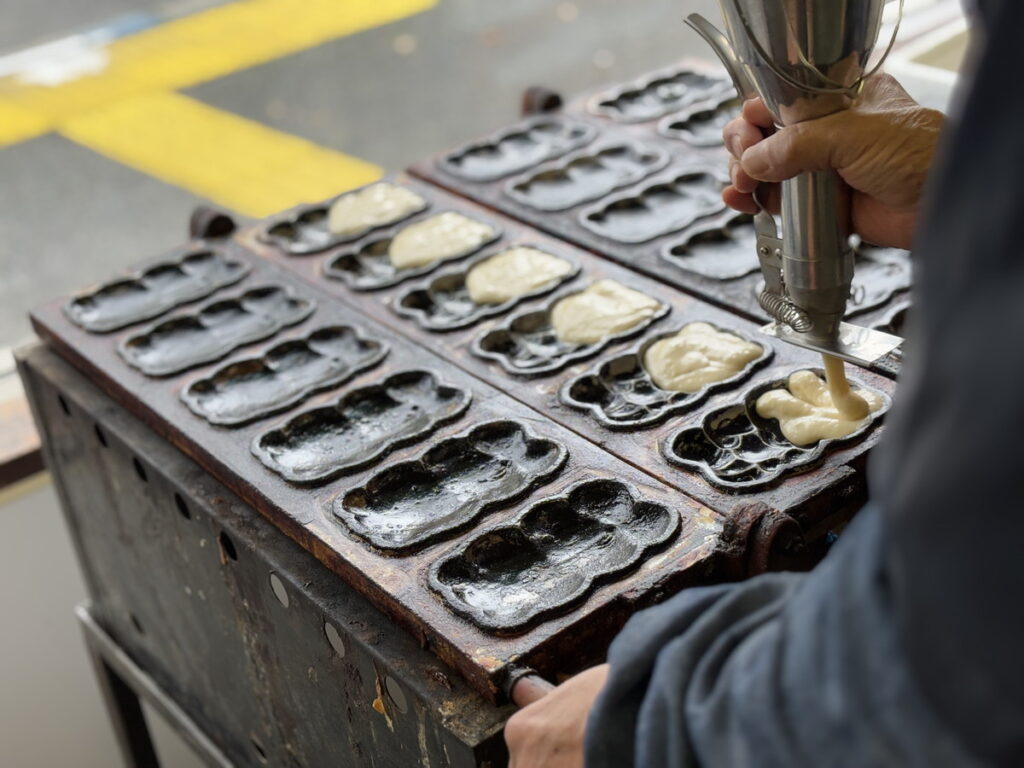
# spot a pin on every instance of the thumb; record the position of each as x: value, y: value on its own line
x: 795, y: 149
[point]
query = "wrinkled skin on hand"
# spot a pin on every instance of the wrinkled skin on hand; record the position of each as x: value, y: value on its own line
x: 549, y: 732
x: 882, y: 147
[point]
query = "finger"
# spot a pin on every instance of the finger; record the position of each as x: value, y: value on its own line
x: 529, y: 689
x: 754, y: 111
x: 739, y: 201
x: 740, y: 179
x: 769, y: 194
x: 793, y: 150
x: 739, y: 135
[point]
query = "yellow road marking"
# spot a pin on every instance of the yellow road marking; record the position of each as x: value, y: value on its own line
x: 235, y: 162
x: 20, y: 124
x: 204, y: 46
x: 129, y: 113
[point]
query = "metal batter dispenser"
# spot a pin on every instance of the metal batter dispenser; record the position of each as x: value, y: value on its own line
x: 806, y: 59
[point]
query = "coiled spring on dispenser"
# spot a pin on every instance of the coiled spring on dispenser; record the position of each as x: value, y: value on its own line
x: 785, y: 312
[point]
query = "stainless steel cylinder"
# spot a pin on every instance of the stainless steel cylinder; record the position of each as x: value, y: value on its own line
x: 817, y: 260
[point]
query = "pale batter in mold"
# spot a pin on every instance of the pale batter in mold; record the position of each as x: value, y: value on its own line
x: 435, y: 238
x: 605, y: 308
x: 849, y: 404
x: 375, y: 206
x: 512, y: 273
x: 699, y: 354
x: 806, y: 413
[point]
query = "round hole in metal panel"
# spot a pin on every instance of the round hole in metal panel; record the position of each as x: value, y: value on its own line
x: 228, y: 552
x: 63, y: 405
x: 139, y: 469
x: 334, y: 638
x: 182, y: 506
x: 396, y: 694
x: 102, y: 438
x: 278, y: 588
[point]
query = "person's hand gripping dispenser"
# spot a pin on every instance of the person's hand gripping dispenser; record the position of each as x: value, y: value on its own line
x: 805, y: 59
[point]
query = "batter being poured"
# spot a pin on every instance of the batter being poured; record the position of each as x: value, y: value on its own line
x: 808, y: 412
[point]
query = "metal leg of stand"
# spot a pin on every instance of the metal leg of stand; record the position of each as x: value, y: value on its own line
x: 125, y: 711
x: 125, y: 685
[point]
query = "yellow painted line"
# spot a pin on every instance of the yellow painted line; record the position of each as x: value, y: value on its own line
x: 20, y: 124
x: 234, y: 162
x: 204, y: 46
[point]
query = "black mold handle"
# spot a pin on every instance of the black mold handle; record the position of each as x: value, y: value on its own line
x: 208, y: 223
x: 538, y: 100
x: 525, y: 686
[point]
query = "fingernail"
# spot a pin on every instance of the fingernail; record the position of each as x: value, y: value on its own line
x: 736, y: 147
x: 753, y: 162
x: 733, y: 173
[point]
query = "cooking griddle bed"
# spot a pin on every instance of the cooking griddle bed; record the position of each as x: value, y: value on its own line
x: 413, y: 446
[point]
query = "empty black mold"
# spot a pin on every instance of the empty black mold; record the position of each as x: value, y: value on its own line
x: 620, y: 394
x: 443, y: 303
x: 367, y: 267
x: 658, y: 209
x: 304, y: 231
x: 720, y: 251
x: 526, y: 344
x: 880, y: 274
x: 451, y: 485
x: 360, y: 428
x: 552, y: 556
x: 588, y: 176
x: 895, y: 321
x: 517, y: 148
x: 701, y: 125
x: 284, y: 376
x: 737, y: 450
x: 658, y: 94
x: 150, y: 292
x: 199, y: 337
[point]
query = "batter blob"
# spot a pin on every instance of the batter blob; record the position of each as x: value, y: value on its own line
x: 806, y: 412
x: 375, y: 206
x: 605, y: 308
x: 699, y: 354
x: 513, y: 273
x: 439, y: 237
x: 850, y: 405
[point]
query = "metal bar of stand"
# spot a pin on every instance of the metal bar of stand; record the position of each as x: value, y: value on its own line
x: 125, y: 686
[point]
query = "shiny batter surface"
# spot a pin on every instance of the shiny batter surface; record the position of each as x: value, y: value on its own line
x: 512, y: 273
x: 806, y: 413
x: 375, y: 206
x: 699, y: 354
x: 605, y: 308
x: 443, y: 236
x: 848, y: 403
